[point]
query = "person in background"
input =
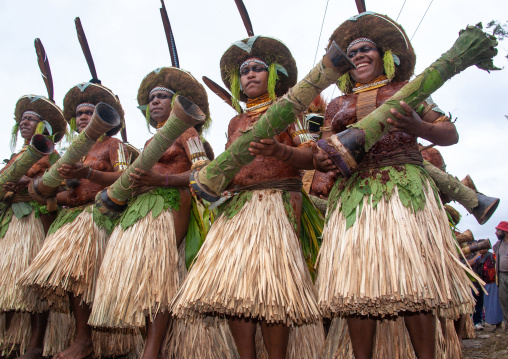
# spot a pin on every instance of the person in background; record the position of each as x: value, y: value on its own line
x: 501, y: 253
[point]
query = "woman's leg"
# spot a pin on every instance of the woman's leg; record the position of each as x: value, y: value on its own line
x: 82, y: 347
x: 275, y: 337
x: 422, y: 331
x: 155, y: 332
x: 362, y: 330
x: 244, y: 333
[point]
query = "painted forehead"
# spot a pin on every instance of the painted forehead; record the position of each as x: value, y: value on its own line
x: 361, y: 39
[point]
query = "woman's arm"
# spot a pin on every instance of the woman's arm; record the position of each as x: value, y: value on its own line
x: 442, y: 133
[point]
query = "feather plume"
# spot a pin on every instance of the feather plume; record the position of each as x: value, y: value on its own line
x: 86, y: 50
x: 218, y: 90
x: 318, y: 105
x: 235, y: 90
x: 42, y: 60
x: 169, y: 36
x: 272, y: 80
x: 360, y: 5
x: 245, y: 17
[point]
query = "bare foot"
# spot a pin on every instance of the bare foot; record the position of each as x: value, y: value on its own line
x: 80, y: 349
x: 32, y: 354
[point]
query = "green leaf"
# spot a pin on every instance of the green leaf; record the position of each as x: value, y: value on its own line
x: 53, y: 158
x: 17, y: 210
x: 158, y: 207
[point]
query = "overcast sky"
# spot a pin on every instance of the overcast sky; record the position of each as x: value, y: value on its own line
x: 127, y: 41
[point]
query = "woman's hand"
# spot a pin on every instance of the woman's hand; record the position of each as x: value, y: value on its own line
x: 408, y: 121
x: 147, y: 178
x: 268, y: 147
x: 17, y: 186
x: 321, y: 160
x: 77, y: 170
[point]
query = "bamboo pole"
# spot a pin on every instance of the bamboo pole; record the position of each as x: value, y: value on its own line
x: 39, y: 147
x: 103, y: 119
x: 185, y: 114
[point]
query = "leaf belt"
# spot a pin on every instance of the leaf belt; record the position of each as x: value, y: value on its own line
x: 397, y: 157
x: 291, y: 185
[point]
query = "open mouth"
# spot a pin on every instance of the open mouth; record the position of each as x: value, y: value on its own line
x: 363, y: 64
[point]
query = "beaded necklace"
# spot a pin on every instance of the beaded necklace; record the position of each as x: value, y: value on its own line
x: 258, y: 104
x: 376, y: 83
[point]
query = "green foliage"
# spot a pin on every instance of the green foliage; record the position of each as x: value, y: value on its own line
x: 159, y: 200
x: 14, y: 136
x: 5, y: 218
x: 344, y: 83
x: 389, y: 64
x: 200, y: 221
x: 377, y: 184
x: 39, y: 209
x: 103, y: 221
x: 272, y: 80
x: 21, y: 209
x: 66, y: 215
x: 498, y: 30
x: 311, y: 230
x: 234, y: 79
x: 232, y: 206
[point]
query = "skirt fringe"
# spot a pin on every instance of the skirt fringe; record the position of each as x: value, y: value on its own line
x: 198, y: 338
x: 392, y: 260
x: 109, y: 342
x: 59, y: 333
x: 18, y: 335
x: 251, y: 266
x: 18, y: 248
x: 469, y: 332
x: 69, y: 261
x: 139, y: 276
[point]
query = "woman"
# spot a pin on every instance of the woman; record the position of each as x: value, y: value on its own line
x: 387, y: 247
x: 132, y: 291
x: 251, y: 263
x: 24, y: 222
x: 69, y: 261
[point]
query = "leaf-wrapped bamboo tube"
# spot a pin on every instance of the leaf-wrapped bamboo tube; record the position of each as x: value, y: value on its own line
x: 473, y: 47
x: 39, y: 147
x: 210, y: 181
x: 185, y: 114
x: 480, y: 206
x: 103, y: 119
x: 476, y: 247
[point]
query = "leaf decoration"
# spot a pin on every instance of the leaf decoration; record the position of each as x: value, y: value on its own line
x: 48, y: 127
x: 281, y: 69
x: 82, y: 86
x: 156, y: 201
x: 66, y: 215
x: 247, y: 47
x: 5, y: 218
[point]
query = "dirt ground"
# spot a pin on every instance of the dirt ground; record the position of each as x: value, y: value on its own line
x: 489, y: 344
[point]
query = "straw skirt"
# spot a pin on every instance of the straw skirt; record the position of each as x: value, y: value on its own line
x: 391, y: 260
x: 18, y: 248
x: 251, y: 265
x: 69, y: 260
x: 139, y: 274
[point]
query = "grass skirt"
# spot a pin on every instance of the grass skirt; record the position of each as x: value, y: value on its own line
x: 251, y: 266
x: 59, y: 333
x: 391, y: 260
x: 18, y: 248
x: 138, y: 277
x: 69, y: 260
x: 189, y: 339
